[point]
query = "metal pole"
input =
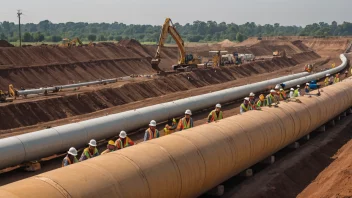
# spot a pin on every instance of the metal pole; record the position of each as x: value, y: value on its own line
x: 19, y: 13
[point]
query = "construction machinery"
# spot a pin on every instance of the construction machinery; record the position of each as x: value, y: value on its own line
x: 9, y: 96
x: 185, y: 61
x: 276, y: 53
x: 217, y: 57
x: 68, y: 43
x: 308, y: 68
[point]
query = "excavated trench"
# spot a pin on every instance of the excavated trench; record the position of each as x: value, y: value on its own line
x: 30, y: 113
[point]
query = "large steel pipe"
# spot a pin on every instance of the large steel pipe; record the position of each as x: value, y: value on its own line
x: 188, y: 163
x: 302, y: 80
x: 43, y: 143
x: 60, y: 87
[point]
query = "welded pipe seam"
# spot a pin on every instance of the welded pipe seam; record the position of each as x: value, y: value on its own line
x: 302, y: 80
x: 224, y: 150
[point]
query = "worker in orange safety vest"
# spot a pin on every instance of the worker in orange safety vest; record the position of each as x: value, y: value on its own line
x: 215, y: 114
x: 186, y: 122
x: 70, y: 157
x: 151, y: 132
x: 123, y: 141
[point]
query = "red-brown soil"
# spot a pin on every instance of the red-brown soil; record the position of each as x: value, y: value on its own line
x: 4, y: 43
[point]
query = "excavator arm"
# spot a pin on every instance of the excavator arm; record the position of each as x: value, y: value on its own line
x: 168, y: 28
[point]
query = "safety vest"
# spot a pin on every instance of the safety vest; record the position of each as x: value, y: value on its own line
x: 269, y: 99
x: 260, y: 103
x: 246, y: 108
x: 151, y: 134
x: 183, y: 125
x: 75, y: 160
x: 282, y: 95
x: 120, y: 145
x: 87, y: 153
x: 326, y: 81
x: 295, y: 93
x: 336, y: 80
x: 214, y: 116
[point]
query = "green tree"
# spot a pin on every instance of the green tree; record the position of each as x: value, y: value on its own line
x: 92, y: 37
x: 3, y: 36
x: 111, y: 38
x: 118, y: 38
x: 102, y: 38
x: 27, y: 37
x: 38, y: 37
x: 239, y: 37
x: 56, y: 38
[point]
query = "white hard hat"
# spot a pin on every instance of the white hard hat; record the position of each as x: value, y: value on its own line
x: 152, y: 123
x: 251, y: 94
x: 281, y: 89
x: 92, y: 142
x: 246, y: 98
x: 123, y: 134
x: 218, y: 106
x: 327, y: 74
x: 277, y: 87
x: 298, y: 86
x: 307, y: 83
x: 72, y: 151
x: 272, y: 91
x: 188, y: 112
x: 292, y: 89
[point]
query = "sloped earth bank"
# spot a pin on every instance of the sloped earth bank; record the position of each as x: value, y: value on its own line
x: 29, y: 113
x: 39, y: 66
x: 288, y: 176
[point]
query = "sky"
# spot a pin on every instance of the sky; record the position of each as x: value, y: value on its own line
x: 154, y: 12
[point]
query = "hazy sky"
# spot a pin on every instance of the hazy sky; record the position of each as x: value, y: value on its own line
x: 285, y: 12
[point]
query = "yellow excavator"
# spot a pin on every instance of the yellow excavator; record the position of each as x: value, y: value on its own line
x: 9, y: 96
x: 185, y: 61
x: 68, y: 43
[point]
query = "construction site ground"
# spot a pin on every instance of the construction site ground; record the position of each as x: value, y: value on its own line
x: 227, y: 79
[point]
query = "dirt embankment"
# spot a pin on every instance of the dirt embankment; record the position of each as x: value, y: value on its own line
x: 330, y: 45
x: 4, y: 43
x: 38, y: 66
x: 31, y: 113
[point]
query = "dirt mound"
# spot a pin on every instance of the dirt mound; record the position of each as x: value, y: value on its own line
x: 38, y: 66
x: 226, y: 43
x: 4, y: 43
x: 31, y: 113
x: 300, y: 45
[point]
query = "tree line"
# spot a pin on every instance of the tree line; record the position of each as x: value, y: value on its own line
x: 198, y: 31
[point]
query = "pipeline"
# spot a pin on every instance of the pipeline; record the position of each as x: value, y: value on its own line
x: 43, y: 143
x: 302, y: 80
x: 60, y: 87
x: 189, y: 163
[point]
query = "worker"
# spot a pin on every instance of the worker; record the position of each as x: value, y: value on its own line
x: 245, y: 106
x: 306, y: 88
x: 186, y: 122
x: 346, y: 74
x: 337, y: 78
x: 292, y: 93
x: 252, y: 101
x: 90, y: 152
x: 170, y: 129
x: 124, y: 141
x: 297, y: 92
x: 333, y: 65
x: 270, y: 98
x: 260, y: 102
x: 151, y: 132
x: 331, y: 80
x: 282, y: 94
x: 70, y: 157
x: 215, y: 114
x: 110, y: 147
x: 326, y: 81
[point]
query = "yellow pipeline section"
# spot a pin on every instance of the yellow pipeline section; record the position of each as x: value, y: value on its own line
x: 188, y: 163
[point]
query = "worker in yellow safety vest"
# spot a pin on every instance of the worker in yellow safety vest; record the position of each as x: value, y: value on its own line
x: 270, y: 98
x: 326, y: 81
x: 170, y: 129
x: 297, y: 92
x: 124, y: 141
x: 282, y: 94
x: 151, y: 132
x: 245, y: 106
x: 252, y: 101
x: 337, y: 78
x: 261, y: 102
x: 90, y: 152
x: 70, y: 157
x: 186, y: 122
x: 333, y: 65
x: 215, y: 114
x: 110, y: 147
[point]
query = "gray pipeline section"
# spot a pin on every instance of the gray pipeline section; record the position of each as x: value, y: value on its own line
x: 305, y: 79
x: 43, y: 143
x: 60, y: 87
